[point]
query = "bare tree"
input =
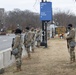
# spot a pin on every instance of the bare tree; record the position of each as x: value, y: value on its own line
x: 63, y: 19
x: 23, y: 18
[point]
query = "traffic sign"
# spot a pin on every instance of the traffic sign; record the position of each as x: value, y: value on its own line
x: 46, y: 11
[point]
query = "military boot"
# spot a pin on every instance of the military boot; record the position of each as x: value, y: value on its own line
x: 17, y: 70
x: 20, y: 69
x: 71, y: 60
x: 74, y: 58
x: 29, y: 56
x: 32, y: 50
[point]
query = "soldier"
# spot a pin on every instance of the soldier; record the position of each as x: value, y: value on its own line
x: 28, y: 40
x: 38, y: 38
x: 71, y: 42
x: 18, y: 44
x: 33, y: 39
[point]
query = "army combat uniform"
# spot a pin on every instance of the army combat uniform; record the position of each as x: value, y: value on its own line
x: 38, y: 38
x: 28, y: 41
x: 18, y: 44
x: 33, y: 40
x: 71, y: 38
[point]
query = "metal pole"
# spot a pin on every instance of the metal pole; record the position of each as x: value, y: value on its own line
x: 52, y: 33
x: 42, y: 31
x: 45, y: 34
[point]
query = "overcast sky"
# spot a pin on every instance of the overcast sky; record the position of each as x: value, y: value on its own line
x: 34, y: 5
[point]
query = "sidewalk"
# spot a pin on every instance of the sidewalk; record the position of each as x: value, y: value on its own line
x: 53, y: 60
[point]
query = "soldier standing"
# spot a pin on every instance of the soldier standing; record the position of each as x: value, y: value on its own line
x: 38, y: 38
x: 71, y: 42
x: 33, y: 39
x: 28, y: 41
x: 18, y: 44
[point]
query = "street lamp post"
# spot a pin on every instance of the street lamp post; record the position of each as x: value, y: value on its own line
x: 44, y: 33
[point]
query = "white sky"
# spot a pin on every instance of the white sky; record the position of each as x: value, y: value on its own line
x: 34, y: 5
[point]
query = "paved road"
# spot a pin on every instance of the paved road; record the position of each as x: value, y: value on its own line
x: 6, y: 41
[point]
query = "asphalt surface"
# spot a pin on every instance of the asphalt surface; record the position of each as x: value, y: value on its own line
x: 6, y: 41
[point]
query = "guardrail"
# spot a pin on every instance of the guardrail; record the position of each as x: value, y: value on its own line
x: 6, y: 59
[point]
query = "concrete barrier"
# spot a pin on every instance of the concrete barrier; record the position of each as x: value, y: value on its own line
x: 6, y: 59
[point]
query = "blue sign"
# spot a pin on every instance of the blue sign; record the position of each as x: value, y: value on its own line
x: 46, y: 11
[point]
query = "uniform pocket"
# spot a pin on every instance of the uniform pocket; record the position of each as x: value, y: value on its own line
x: 72, y: 44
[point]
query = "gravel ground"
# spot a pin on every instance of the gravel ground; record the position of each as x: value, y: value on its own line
x: 53, y: 60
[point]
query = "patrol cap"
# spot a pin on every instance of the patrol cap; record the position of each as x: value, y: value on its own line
x: 18, y: 31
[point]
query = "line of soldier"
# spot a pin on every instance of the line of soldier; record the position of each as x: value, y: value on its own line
x: 34, y: 35
x: 31, y: 35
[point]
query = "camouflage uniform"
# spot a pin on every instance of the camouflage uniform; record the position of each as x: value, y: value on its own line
x: 71, y: 37
x: 28, y: 41
x: 18, y: 44
x: 33, y: 40
x: 38, y: 38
